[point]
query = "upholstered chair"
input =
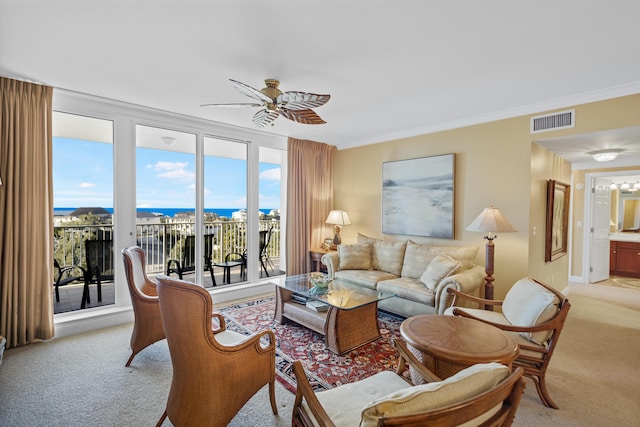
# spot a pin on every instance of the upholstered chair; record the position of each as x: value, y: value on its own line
x: 484, y: 394
x: 532, y: 313
x: 215, y: 370
x: 147, y: 326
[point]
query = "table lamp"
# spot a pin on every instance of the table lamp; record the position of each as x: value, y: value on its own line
x: 338, y: 219
x: 490, y: 221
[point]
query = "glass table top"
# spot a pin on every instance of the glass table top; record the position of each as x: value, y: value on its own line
x: 334, y: 292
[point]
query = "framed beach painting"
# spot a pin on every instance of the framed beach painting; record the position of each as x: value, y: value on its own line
x: 418, y: 196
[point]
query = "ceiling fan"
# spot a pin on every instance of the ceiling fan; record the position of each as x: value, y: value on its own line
x: 296, y: 106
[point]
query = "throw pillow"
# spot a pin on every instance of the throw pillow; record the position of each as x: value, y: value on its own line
x: 465, y: 384
x: 388, y: 256
x: 440, y: 267
x: 361, y: 238
x: 355, y: 257
x: 528, y: 304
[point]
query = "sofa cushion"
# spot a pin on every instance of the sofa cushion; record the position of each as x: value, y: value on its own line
x: 365, y: 278
x: 388, y: 256
x: 528, y: 304
x: 409, y: 289
x: 418, y: 256
x: 355, y: 257
x: 440, y: 267
x: 465, y: 384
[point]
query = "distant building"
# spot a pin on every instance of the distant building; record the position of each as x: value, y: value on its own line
x: 144, y: 217
x: 97, y: 211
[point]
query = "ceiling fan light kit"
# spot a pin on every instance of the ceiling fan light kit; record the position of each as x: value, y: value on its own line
x: 293, y: 105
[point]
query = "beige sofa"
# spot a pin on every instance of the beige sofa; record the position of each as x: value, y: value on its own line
x: 419, y: 274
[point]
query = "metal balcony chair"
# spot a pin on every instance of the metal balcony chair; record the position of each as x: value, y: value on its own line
x: 66, y: 274
x: 187, y: 262
x: 265, y: 238
x: 99, y: 261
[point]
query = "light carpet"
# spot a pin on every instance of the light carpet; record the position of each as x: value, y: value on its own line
x: 81, y: 380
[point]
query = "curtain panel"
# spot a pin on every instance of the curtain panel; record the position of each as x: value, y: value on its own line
x: 26, y: 212
x: 309, y: 200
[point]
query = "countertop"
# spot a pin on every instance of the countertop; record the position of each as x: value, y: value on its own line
x: 625, y: 237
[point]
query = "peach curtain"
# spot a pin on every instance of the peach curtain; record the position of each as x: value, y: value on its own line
x: 309, y: 200
x: 26, y: 212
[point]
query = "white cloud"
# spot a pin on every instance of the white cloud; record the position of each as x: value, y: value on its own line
x: 174, y: 170
x: 87, y: 185
x: 271, y: 174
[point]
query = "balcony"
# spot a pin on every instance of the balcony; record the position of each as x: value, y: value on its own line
x: 161, y: 242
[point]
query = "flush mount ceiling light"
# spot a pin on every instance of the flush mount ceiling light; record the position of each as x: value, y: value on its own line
x: 169, y: 140
x: 605, y: 155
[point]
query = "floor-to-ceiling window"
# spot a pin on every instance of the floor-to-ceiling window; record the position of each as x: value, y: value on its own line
x: 166, y: 199
x: 83, y: 212
x: 171, y: 177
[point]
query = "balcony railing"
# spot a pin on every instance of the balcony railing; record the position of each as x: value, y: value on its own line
x: 162, y: 242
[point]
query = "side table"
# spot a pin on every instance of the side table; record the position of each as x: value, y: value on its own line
x: 448, y: 344
x: 316, y: 256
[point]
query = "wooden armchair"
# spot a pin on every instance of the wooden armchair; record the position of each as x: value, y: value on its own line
x: 534, y: 314
x: 215, y: 371
x: 147, y: 326
x: 486, y: 394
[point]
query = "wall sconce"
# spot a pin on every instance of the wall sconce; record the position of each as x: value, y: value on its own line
x: 338, y: 219
x: 605, y: 155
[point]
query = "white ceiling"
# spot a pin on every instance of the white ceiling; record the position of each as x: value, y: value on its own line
x: 393, y: 68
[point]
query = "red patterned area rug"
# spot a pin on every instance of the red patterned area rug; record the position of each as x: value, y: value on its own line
x: 324, y: 368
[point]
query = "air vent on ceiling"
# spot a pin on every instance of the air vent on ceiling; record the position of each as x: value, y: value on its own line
x: 553, y: 121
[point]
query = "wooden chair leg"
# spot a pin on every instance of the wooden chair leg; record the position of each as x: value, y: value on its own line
x: 162, y: 418
x: 130, y: 359
x: 272, y: 397
x: 541, y: 387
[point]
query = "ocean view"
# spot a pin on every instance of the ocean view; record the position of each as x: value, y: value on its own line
x: 170, y: 212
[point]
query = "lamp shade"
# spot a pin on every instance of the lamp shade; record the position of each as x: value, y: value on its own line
x: 491, y: 220
x: 338, y: 218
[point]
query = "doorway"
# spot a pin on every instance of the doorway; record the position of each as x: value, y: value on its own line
x: 620, y: 216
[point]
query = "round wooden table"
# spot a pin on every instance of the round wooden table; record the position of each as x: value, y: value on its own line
x: 448, y: 344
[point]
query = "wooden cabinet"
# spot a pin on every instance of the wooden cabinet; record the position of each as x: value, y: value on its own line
x: 624, y: 259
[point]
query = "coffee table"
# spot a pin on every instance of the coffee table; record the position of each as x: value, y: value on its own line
x: 448, y: 344
x: 350, y: 321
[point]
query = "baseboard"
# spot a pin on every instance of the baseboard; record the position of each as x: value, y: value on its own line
x: 84, y: 321
x: 77, y: 322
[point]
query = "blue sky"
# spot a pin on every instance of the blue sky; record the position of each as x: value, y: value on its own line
x: 83, y: 176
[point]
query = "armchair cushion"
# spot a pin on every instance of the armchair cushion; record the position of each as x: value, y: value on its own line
x: 355, y: 257
x: 344, y: 404
x: 440, y: 267
x: 529, y: 304
x: 465, y: 384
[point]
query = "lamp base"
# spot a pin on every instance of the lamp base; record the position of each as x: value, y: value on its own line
x: 336, y: 239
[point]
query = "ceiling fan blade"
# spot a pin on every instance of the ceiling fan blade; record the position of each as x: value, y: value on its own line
x: 264, y: 117
x: 233, y: 105
x: 301, y: 100
x: 307, y: 117
x: 251, y: 92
